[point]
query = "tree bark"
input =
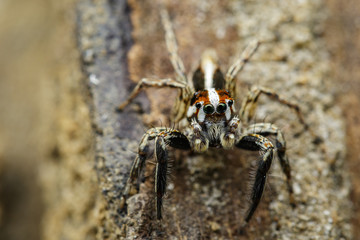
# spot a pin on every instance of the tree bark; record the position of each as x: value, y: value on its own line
x: 208, y: 191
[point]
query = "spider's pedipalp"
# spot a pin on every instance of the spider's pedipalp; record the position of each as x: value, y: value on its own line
x: 228, y: 138
x: 199, y: 142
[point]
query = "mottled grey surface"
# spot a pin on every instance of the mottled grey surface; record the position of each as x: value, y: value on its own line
x: 104, y: 39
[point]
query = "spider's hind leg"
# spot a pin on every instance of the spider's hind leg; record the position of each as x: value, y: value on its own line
x: 266, y: 129
x: 172, y: 46
x: 249, y: 104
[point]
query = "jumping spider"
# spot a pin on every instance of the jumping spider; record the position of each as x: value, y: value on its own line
x: 207, y: 105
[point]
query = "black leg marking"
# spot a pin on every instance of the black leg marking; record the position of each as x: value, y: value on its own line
x: 160, y: 174
x: 255, y: 142
x: 139, y: 162
x: 163, y: 138
x: 259, y: 184
x: 285, y: 166
x: 266, y: 129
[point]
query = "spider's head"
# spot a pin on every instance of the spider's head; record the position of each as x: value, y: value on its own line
x: 211, y: 105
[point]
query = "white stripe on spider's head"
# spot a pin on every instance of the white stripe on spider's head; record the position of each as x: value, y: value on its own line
x: 213, y: 97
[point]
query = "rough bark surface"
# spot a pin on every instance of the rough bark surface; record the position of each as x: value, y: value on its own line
x: 208, y: 191
x: 68, y: 180
x: 48, y: 183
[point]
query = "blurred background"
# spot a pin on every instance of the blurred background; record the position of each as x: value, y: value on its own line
x: 37, y: 39
x: 34, y: 38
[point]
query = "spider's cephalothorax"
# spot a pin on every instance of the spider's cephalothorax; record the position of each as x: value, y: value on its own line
x: 212, y: 110
x: 207, y: 104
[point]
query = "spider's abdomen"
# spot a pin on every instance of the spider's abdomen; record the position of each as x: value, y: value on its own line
x: 208, y: 74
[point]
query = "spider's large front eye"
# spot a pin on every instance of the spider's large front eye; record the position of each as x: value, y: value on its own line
x: 209, y: 109
x: 221, y: 108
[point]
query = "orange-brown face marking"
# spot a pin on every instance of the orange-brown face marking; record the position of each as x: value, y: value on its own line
x: 211, y: 102
x: 223, y: 96
x: 200, y: 96
x: 203, y: 96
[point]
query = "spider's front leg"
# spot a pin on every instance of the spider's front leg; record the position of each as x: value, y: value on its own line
x: 266, y: 129
x: 139, y: 162
x: 172, y: 138
x: 256, y: 142
x: 163, y: 139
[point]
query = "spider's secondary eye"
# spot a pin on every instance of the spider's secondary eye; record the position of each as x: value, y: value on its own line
x: 230, y: 103
x: 198, y: 105
x: 209, y: 109
x: 221, y: 108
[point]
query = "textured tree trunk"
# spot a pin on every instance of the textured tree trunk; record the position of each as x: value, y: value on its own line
x: 65, y: 154
x: 121, y: 42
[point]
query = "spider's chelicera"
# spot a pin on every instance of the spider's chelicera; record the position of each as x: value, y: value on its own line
x: 207, y: 104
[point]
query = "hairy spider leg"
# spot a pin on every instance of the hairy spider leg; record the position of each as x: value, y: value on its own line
x: 164, y: 138
x: 151, y: 82
x: 266, y: 129
x: 238, y: 65
x: 256, y: 142
x: 172, y: 46
x: 140, y: 158
x: 249, y: 104
x: 182, y: 101
x: 180, y: 82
